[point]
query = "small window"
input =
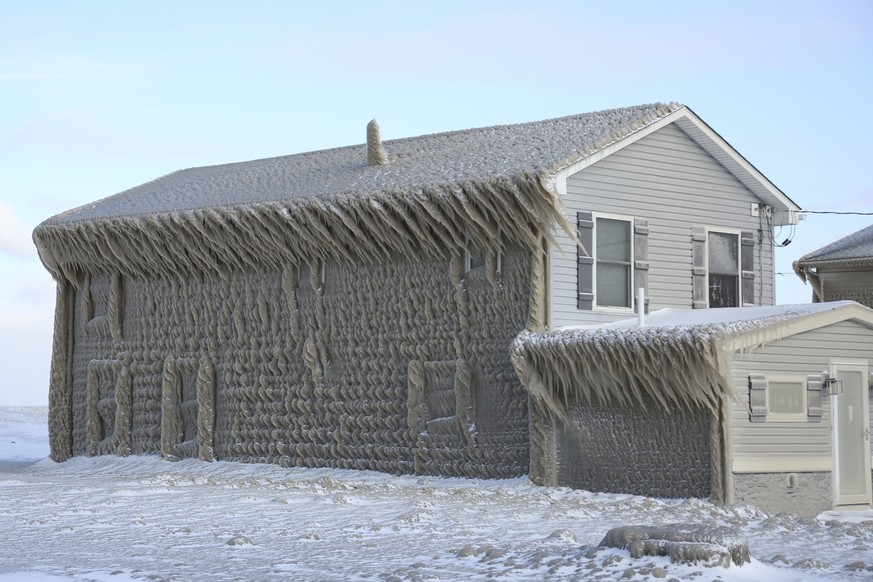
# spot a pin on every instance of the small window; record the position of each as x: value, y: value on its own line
x: 613, y: 258
x: 475, y: 257
x: 723, y: 269
x: 786, y: 399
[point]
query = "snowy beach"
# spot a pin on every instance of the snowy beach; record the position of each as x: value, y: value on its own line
x: 142, y: 518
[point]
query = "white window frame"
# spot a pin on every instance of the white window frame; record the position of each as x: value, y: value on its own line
x: 801, y: 416
x: 739, y: 233
x: 608, y: 308
x: 468, y: 258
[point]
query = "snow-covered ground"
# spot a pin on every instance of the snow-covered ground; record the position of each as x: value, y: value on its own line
x: 109, y: 519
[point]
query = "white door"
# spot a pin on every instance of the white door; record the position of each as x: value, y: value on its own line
x: 852, y: 436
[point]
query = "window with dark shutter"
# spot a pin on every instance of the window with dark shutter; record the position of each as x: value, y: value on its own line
x: 723, y: 268
x: 785, y: 398
x: 614, y: 261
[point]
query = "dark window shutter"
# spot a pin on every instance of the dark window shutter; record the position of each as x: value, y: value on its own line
x: 641, y: 258
x: 813, y: 398
x: 585, y: 261
x: 698, y: 269
x: 757, y: 397
x: 747, y: 266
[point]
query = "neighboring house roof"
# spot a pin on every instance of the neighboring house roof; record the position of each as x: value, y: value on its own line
x: 678, y: 358
x: 855, y: 249
x: 492, y: 186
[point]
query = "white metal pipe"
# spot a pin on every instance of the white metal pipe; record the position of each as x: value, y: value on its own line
x: 641, y: 306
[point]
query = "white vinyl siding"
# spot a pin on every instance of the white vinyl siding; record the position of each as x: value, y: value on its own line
x: 668, y: 179
x: 800, y: 355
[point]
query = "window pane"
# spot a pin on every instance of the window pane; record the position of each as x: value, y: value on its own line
x: 785, y: 397
x: 613, y: 240
x: 613, y: 285
x: 724, y: 291
x: 723, y: 253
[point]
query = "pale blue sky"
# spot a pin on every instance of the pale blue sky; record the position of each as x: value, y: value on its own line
x: 97, y: 97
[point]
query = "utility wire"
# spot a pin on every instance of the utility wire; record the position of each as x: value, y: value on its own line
x: 835, y: 212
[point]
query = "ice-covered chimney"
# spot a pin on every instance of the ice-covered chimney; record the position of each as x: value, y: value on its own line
x: 376, y: 154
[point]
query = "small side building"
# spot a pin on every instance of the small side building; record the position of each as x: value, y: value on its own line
x: 766, y: 405
x: 841, y: 270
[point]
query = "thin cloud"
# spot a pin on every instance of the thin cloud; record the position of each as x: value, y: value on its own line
x: 14, y: 234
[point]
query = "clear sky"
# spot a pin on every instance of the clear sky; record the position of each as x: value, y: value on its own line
x: 97, y: 97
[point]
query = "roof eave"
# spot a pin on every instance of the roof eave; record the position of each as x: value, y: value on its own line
x: 849, y: 311
x: 835, y: 264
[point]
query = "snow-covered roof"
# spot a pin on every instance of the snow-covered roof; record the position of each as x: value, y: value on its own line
x: 855, y: 249
x: 730, y: 320
x: 477, y: 155
x: 435, y: 193
x: 490, y: 186
x: 678, y: 357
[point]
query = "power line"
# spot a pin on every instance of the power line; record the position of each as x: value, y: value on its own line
x: 835, y: 212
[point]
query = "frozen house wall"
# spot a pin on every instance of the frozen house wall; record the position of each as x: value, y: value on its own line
x: 672, y: 182
x: 841, y: 285
x: 626, y: 410
x: 765, y: 453
x: 400, y: 366
x: 639, y: 450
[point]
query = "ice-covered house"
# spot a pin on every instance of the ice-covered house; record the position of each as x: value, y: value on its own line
x: 841, y: 270
x: 359, y: 307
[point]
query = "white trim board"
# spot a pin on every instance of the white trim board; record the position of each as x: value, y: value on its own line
x: 783, y: 465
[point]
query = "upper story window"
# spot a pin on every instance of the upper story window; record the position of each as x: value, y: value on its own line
x: 612, y: 261
x: 613, y: 257
x: 723, y: 269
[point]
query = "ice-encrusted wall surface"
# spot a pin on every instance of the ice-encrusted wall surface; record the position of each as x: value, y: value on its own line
x: 645, y: 451
x: 311, y: 365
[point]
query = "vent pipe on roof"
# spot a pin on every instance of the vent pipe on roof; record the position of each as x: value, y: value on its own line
x: 376, y: 154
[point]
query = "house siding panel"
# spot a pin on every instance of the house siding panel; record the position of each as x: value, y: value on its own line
x: 672, y: 182
x: 800, y: 355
